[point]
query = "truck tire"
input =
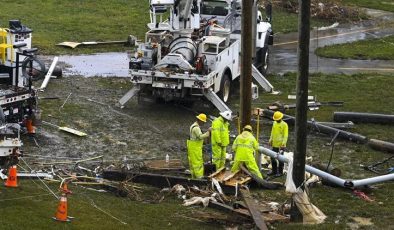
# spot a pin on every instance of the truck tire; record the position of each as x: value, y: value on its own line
x: 225, y: 88
x: 264, y: 60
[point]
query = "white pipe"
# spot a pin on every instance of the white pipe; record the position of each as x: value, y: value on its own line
x: 49, y: 74
x: 333, y: 179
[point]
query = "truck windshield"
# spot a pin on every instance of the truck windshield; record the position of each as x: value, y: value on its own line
x: 214, y: 8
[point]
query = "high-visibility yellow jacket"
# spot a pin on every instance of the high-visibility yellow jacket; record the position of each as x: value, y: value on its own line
x: 194, y: 150
x: 244, y: 146
x: 219, y: 133
x: 279, y: 134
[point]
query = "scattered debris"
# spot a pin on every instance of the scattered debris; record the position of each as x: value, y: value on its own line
x: 131, y: 41
x: 173, y: 164
x: 253, y: 210
x: 362, y: 195
x: 331, y: 10
x: 376, y: 167
x: 362, y: 221
x: 66, y: 129
x: 49, y: 74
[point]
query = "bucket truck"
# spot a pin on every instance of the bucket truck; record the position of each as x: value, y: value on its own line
x: 192, y: 49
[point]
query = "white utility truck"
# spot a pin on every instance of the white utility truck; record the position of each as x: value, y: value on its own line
x: 195, y: 51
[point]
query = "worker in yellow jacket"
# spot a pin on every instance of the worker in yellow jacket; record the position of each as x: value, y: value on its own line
x: 278, y: 140
x: 220, y: 138
x: 194, y: 147
x: 244, y: 148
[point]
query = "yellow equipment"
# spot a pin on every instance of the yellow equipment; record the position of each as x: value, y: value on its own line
x: 4, y: 45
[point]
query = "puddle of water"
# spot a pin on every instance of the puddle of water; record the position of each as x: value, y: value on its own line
x: 103, y: 65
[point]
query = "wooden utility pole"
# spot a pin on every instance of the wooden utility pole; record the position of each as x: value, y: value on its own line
x: 302, y: 99
x: 246, y: 63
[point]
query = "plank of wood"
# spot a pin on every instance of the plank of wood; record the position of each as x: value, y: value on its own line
x: 253, y: 210
x: 272, y: 217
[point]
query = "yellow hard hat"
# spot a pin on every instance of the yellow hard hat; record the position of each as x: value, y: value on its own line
x: 277, y: 116
x: 202, y: 117
x: 248, y: 128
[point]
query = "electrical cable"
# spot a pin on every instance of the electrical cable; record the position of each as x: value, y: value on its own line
x: 49, y: 189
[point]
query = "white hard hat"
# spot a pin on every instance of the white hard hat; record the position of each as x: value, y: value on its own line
x: 226, y: 115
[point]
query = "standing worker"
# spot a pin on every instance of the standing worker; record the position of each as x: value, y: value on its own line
x: 244, y: 147
x: 194, y: 147
x: 220, y: 138
x: 278, y: 140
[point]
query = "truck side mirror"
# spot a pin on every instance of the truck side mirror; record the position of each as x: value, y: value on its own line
x: 268, y: 12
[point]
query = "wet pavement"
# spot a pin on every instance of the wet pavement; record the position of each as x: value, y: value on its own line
x: 103, y: 64
x: 283, y: 54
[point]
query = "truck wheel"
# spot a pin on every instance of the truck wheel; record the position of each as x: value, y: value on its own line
x: 225, y: 87
x: 265, y: 59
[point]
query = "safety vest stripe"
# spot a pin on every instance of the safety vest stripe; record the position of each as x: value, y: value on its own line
x: 244, y: 145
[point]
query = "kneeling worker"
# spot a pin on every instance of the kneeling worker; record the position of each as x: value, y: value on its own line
x: 194, y: 147
x: 244, y: 147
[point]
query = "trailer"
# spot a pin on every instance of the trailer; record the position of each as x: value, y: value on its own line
x: 195, y: 52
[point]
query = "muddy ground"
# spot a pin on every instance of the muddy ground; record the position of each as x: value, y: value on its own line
x: 136, y: 131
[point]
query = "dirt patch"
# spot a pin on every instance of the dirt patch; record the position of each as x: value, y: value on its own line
x: 135, y: 131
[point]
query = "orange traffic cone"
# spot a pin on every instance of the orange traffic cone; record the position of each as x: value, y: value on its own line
x: 65, y: 190
x: 12, y: 178
x: 61, y: 213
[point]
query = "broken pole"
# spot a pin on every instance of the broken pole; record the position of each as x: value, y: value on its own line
x: 246, y: 63
x: 301, y: 101
x: 355, y: 137
x: 364, y: 117
x: 253, y: 210
x: 381, y: 145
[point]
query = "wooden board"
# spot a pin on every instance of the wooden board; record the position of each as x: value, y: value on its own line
x: 229, y: 178
x: 174, y: 164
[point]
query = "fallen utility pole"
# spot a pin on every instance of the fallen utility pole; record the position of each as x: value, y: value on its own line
x: 364, y: 117
x: 311, y: 105
x: 322, y: 128
x: 253, y: 210
x: 381, y: 145
x: 160, y: 180
x: 337, y: 125
x: 348, y: 183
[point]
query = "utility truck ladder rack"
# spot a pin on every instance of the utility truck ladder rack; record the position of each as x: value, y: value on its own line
x: 216, y: 101
x: 261, y: 80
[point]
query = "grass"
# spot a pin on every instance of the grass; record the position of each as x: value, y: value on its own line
x: 40, y: 206
x: 386, y: 5
x: 285, y: 22
x: 380, y: 48
x: 70, y: 20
